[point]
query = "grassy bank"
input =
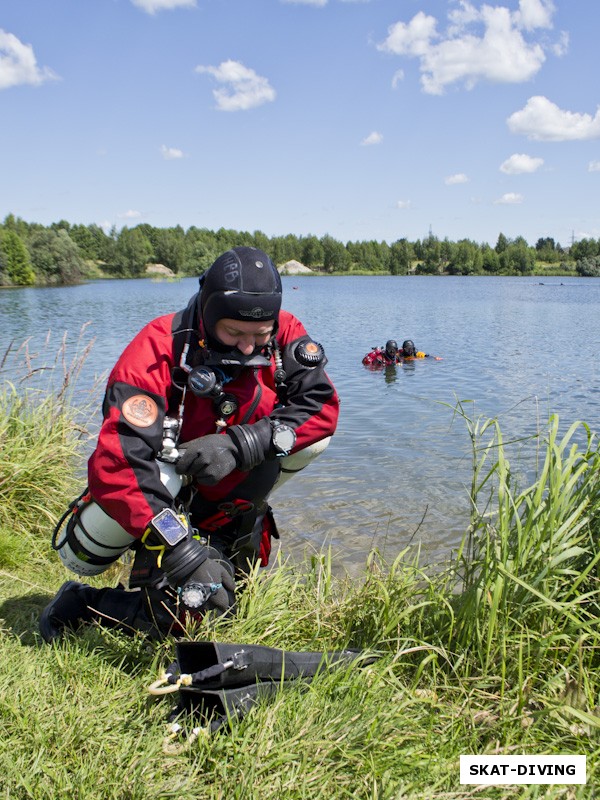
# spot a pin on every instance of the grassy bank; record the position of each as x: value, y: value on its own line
x: 498, y: 652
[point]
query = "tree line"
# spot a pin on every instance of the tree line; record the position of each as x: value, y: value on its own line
x: 62, y: 253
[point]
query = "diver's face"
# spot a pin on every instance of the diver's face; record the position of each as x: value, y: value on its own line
x: 245, y: 336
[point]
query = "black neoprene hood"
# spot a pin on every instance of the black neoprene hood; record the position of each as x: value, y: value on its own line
x: 242, y: 284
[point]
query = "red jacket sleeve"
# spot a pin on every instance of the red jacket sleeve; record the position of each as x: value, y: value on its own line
x: 123, y: 475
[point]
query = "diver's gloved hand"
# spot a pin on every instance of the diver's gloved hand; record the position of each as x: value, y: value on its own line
x: 211, y: 458
x: 214, y: 576
x: 190, y: 562
x: 208, y: 459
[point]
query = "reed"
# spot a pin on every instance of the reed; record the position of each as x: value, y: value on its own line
x: 42, y: 434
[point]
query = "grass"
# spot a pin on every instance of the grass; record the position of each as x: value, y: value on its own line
x: 495, y: 652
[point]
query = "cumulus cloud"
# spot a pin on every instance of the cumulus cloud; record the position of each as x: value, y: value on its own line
x: 318, y: 3
x: 534, y: 14
x: 152, y: 6
x: 519, y: 163
x: 509, y: 199
x: 487, y: 43
x: 171, y: 153
x: 453, y: 180
x: 543, y: 121
x: 243, y: 88
x: 306, y: 2
x: 131, y: 214
x: 594, y: 166
x: 372, y: 138
x: 18, y: 64
x: 403, y: 204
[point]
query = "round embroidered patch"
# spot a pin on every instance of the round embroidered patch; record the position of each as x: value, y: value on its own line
x: 140, y: 410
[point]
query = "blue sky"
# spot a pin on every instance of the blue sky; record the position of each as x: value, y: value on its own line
x: 361, y: 119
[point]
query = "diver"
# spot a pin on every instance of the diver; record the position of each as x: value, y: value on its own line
x: 205, y: 411
x: 383, y: 356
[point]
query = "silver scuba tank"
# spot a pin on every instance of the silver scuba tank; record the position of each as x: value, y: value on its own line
x: 90, y: 541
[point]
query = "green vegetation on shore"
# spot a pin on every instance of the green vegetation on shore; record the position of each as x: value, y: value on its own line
x: 495, y: 652
x: 62, y: 253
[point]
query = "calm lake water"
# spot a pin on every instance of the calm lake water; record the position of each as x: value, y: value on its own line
x: 398, y: 468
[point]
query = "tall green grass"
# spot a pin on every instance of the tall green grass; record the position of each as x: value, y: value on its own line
x: 41, y: 439
x: 494, y: 652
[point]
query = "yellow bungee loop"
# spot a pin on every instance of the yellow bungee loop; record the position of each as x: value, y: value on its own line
x: 164, y: 686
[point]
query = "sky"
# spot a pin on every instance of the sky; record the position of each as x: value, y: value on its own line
x: 360, y: 119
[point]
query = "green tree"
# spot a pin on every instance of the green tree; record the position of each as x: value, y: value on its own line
x: 501, y: 244
x: 546, y: 250
x: 132, y: 253
x: 401, y: 254
x: 312, y: 252
x: 466, y: 259
x: 432, y: 253
x: 55, y: 256
x: 262, y: 241
x: 490, y: 260
x: 285, y: 248
x: 15, y: 260
x: 521, y: 257
x: 335, y: 257
x: 170, y: 247
x: 588, y: 267
x: 585, y: 248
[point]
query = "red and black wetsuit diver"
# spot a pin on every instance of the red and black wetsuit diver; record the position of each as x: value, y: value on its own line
x: 239, y: 391
x: 383, y: 356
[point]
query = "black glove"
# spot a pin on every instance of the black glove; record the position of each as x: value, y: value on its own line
x: 209, y: 459
x: 190, y: 562
x: 215, y: 575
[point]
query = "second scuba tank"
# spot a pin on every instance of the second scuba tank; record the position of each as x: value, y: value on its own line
x: 90, y: 541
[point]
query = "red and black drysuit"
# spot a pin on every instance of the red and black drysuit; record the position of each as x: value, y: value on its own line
x: 123, y: 473
x: 124, y: 477
x: 379, y: 358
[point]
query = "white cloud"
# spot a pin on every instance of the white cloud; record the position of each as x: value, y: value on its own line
x: 486, y: 43
x: 594, y: 166
x: 373, y: 138
x: 170, y: 153
x: 543, y: 121
x: 131, y: 214
x: 398, y: 78
x: 509, y: 199
x: 152, y: 6
x: 244, y: 88
x: 18, y: 64
x: 534, y: 14
x: 519, y: 163
x: 453, y: 180
x: 560, y: 47
x: 403, y: 204
x: 306, y: 2
x: 412, y: 39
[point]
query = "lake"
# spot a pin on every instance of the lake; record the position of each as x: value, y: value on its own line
x: 398, y: 469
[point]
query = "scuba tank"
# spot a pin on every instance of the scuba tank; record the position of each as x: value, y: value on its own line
x: 90, y: 541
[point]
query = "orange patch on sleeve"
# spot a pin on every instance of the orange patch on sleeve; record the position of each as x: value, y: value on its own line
x: 140, y: 410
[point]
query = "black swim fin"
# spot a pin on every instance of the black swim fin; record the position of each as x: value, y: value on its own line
x: 214, y: 665
x: 218, y: 706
